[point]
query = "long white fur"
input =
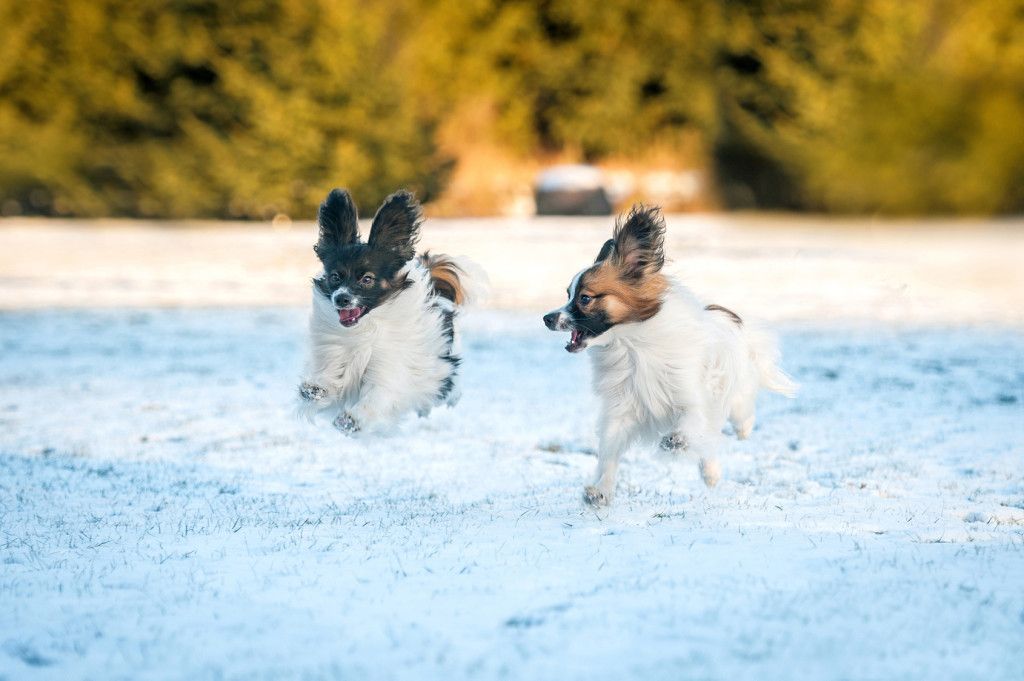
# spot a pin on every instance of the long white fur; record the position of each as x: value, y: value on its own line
x: 684, y: 371
x: 390, y: 362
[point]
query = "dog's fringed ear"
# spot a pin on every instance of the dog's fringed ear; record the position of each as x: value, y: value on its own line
x: 396, y: 226
x: 339, y: 223
x: 640, y: 242
x: 605, y: 251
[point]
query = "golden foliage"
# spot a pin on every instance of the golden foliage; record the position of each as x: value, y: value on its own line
x: 252, y: 108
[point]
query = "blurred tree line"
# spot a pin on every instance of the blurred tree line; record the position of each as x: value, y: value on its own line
x: 246, y: 108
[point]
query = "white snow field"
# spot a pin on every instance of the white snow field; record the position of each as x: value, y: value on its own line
x: 163, y: 515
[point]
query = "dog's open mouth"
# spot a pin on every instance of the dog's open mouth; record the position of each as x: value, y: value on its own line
x: 349, y: 316
x: 577, y: 341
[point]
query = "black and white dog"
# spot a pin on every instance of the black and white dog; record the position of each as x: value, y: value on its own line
x: 666, y: 367
x: 382, y: 339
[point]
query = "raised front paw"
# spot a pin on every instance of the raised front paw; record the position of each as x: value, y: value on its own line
x: 597, y: 496
x: 346, y: 424
x: 673, y: 442
x: 312, y: 393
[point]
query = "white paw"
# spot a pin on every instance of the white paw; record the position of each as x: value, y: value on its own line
x: 711, y: 471
x: 596, y: 496
x: 346, y: 424
x: 744, y: 429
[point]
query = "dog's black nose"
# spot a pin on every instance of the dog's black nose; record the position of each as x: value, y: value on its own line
x: 550, y: 319
x: 343, y: 300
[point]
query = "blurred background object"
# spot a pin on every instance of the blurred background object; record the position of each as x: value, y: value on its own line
x: 254, y: 109
x: 572, y: 190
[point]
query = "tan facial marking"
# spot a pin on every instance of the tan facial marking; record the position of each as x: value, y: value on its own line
x: 623, y: 300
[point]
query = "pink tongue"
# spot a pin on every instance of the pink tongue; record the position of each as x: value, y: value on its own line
x: 576, y: 337
x: 349, y: 314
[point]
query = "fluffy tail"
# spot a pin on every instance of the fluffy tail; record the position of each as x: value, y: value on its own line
x: 458, y: 279
x: 765, y: 352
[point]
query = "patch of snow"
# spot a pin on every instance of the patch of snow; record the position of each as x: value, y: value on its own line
x: 162, y: 514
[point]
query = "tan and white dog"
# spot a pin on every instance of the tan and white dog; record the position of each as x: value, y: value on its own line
x: 666, y: 367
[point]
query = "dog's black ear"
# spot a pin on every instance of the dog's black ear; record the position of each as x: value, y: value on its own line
x: 339, y: 223
x: 605, y: 251
x: 640, y: 242
x: 396, y: 226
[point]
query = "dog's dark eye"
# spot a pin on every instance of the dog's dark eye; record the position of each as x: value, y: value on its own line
x: 367, y: 280
x: 335, y: 279
x: 585, y: 299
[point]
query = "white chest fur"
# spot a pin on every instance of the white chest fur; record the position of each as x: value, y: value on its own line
x: 647, y: 373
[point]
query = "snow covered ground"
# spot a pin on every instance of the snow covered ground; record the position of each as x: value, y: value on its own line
x: 162, y: 515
